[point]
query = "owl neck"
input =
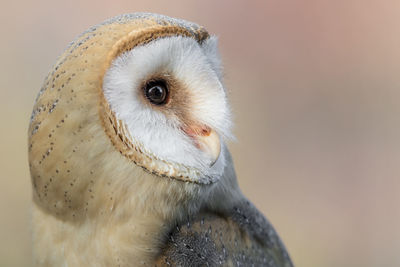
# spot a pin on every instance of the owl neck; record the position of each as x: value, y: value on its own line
x: 127, y: 219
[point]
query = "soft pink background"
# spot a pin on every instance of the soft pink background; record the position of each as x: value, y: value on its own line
x: 314, y: 86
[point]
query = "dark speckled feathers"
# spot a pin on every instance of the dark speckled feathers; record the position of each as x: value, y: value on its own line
x: 242, y: 238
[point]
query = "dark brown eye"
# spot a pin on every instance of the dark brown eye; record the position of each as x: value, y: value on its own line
x: 156, y: 92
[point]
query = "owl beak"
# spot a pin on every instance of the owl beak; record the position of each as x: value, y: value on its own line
x: 211, y: 145
x: 207, y: 140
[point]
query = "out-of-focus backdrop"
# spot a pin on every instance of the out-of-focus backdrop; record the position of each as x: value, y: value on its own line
x: 315, y: 90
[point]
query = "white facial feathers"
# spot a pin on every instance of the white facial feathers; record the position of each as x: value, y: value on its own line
x: 196, y: 67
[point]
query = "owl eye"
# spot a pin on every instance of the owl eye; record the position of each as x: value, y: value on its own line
x: 156, y: 92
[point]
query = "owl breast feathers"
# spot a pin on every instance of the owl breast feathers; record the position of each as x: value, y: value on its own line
x: 128, y: 159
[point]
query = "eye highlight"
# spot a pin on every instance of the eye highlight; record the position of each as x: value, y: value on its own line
x: 156, y: 92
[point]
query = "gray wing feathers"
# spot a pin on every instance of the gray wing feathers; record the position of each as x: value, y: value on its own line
x: 243, y: 237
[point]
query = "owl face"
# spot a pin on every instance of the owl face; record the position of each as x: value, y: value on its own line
x: 167, y: 99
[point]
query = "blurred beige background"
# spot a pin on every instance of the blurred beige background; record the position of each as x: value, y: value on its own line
x: 315, y: 90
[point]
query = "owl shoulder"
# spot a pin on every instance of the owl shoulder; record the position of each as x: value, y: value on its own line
x: 241, y: 237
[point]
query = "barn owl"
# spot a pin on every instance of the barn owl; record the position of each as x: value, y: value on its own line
x: 128, y: 156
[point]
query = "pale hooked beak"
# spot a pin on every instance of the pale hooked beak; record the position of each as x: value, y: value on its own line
x: 206, y: 139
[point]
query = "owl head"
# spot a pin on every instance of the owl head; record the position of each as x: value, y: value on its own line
x: 137, y: 92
